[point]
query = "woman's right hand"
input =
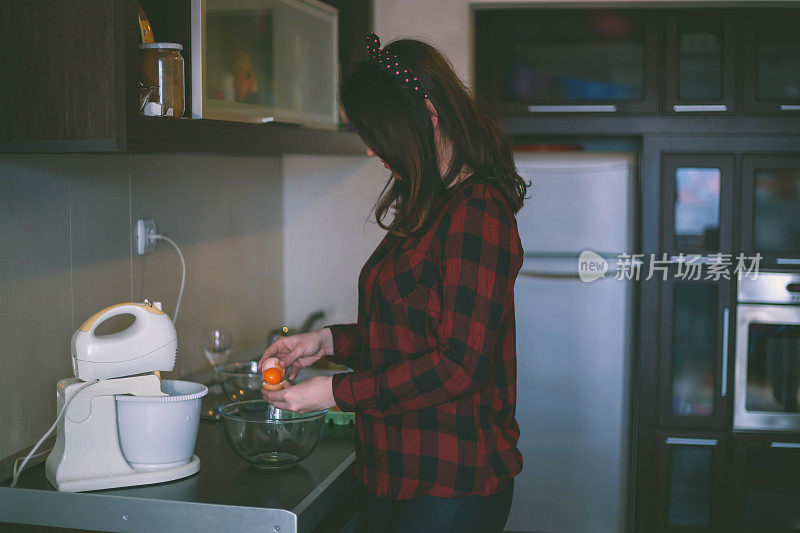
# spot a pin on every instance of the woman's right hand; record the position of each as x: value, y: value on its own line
x: 300, y: 351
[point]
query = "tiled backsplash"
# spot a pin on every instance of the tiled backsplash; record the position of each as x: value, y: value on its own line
x: 66, y: 252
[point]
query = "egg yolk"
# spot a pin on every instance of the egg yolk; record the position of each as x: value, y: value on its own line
x: 273, y: 375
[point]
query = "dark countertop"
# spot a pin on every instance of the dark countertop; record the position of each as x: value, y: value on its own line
x: 226, y: 491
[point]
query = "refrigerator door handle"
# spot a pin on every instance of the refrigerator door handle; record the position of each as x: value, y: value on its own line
x: 611, y: 274
x: 548, y: 275
x: 551, y: 266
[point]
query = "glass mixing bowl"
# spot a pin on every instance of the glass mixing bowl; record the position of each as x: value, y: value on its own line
x: 240, y: 381
x: 270, y: 438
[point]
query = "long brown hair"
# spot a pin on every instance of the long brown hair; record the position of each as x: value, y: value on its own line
x: 396, y: 124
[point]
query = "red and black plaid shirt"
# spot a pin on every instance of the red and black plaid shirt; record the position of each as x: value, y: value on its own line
x: 434, y: 356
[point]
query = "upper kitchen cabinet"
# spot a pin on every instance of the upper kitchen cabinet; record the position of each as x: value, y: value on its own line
x: 60, y: 78
x: 772, y: 69
x: 771, y: 209
x: 73, y: 80
x: 566, y: 61
x: 699, y: 61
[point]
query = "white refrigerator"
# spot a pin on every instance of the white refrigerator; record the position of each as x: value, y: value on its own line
x: 573, y: 344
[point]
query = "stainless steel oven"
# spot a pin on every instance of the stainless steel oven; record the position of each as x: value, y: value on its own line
x: 767, y: 373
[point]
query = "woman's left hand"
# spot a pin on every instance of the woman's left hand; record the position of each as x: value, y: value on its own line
x: 315, y: 394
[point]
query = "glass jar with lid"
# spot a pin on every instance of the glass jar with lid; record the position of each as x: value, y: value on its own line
x: 162, y: 89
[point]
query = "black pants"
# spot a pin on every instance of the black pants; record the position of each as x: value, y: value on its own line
x: 469, y: 514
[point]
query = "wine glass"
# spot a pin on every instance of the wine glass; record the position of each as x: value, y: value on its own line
x: 216, y: 343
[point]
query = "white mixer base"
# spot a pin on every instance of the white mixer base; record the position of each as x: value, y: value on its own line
x: 135, y: 477
x: 153, y: 468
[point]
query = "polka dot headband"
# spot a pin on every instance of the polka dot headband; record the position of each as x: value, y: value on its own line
x: 391, y: 64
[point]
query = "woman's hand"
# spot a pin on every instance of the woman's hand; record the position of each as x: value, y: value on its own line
x: 299, y: 351
x: 315, y: 394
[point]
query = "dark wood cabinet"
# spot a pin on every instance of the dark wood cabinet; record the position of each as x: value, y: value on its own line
x: 698, y: 195
x: 60, y: 76
x: 567, y: 61
x: 694, y: 380
x: 715, y: 194
x: 771, y: 209
x: 699, y: 64
x: 767, y: 483
x: 691, y: 482
x: 771, y: 68
x: 608, y: 64
x: 71, y: 84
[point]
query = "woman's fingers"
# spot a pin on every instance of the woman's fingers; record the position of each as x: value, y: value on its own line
x: 275, y: 350
x: 292, y: 370
x: 311, y: 395
x: 291, y: 358
x: 282, y: 398
x: 276, y: 398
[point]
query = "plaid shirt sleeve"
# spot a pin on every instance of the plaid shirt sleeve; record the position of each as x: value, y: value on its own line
x: 480, y: 259
x: 345, y: 344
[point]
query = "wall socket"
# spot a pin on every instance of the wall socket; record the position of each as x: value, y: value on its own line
x: 144, y: 243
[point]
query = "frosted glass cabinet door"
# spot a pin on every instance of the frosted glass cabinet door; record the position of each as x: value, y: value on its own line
x: 699, y: 62
x: 690, y: 482
x: 694, y: 353
x: 698, y: 199
x: 263, y: 60
x: 577, y: 60
x: 767, y: 492
x: 772, y: 71
x: 771, y: 208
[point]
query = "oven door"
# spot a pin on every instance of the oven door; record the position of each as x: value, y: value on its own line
x: 767, y: 377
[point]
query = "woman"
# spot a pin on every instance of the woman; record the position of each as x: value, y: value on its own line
x: 433, y: 351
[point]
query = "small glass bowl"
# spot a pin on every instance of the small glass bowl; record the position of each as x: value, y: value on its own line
x: 240, y: 381
x: 271, y: 438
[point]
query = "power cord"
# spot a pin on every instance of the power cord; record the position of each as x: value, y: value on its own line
x: 158, y: 236
x: 17, y: 471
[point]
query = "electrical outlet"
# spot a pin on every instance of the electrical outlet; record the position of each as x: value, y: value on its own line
x: 144, y: 243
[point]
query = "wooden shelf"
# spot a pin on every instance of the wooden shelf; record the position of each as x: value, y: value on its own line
x: 155, y: 134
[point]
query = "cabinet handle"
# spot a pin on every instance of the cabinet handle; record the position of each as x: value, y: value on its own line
x: 699, y: 107
x: 696, y: 259
x: 572, y: 108
x: 691, y: 442
x: 785, y: 445
x: 726, y: 313
x: 787, y: 261
x: 788, y: 107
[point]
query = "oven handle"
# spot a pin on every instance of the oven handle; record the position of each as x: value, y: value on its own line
x: 726, y: 314
x: 785, y: 445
